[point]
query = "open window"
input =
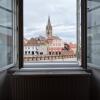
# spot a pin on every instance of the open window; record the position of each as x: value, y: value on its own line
x: 8, y: 33
x: 52, y: 31
x: 93, y: 33
x: 12, y: 34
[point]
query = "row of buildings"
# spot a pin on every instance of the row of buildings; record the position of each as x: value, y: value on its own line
x: 49, y: 45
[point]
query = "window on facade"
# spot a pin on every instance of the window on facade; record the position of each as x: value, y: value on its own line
x: 41, y: 53
x: 25, y: 52
x: 59, y: 53
x: 50, y: 29
x: 32, y: 52
x: 28, y: 52
x: 93, y: 36
x: 7, y: 32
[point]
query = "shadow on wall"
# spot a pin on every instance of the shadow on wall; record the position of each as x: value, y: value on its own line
x: 95, y: 86
x: 4, y: 94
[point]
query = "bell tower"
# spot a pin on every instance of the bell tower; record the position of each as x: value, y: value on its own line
x: 49, y: 29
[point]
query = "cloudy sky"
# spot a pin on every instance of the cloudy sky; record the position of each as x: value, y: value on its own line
x: 61, y: 12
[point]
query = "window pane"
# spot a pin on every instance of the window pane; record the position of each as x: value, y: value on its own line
x: 7, y: 32
x: 94, y: 17
x: 6, y: 47
x: 93, y: 36
x: 92, y: 4
x: 5, y: 18
x: 6, y: 3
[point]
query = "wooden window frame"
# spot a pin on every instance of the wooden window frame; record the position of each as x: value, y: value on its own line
x: 83, y: 33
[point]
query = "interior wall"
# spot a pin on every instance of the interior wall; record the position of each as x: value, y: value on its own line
x: 3, y: 86
x: 95, y: 86
x: 67, y: 85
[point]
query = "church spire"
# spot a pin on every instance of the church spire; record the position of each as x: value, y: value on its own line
x: 49, y: 28
x: 49, y: 22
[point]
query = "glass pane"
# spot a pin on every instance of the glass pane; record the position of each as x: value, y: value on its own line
x: 6, y: 4
x: 93, y: 36
x: 6, y: 47
x: 7, y: 32
x: 5, y: 18
x: 92, y: 4
x: 94, y: 17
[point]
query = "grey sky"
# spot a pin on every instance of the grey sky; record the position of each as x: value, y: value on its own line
x: 62, y: 13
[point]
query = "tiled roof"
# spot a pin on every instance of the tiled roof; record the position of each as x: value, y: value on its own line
x: 35, y: 42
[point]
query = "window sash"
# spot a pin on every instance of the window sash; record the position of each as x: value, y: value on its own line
x: 13, y: 30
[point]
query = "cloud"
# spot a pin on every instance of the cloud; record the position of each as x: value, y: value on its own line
x: 62, y: 13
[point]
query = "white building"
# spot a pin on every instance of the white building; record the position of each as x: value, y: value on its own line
x: 35, y: 47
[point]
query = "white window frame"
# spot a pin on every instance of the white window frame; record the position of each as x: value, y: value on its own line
x: 14, y: 33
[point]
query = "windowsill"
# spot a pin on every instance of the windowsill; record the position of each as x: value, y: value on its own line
x: 50, y: 67
x: 93, y: 66
x: 33, y: 72
x: 54, y: 65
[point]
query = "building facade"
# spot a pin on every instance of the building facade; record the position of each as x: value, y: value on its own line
x: 56, y: 46
x: 35, y: 47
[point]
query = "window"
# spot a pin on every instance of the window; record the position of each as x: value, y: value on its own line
x: 49, y: 53
x: 7, y: 32
x: 32, y: 52
x: 54, y: 25
x: 49, y: 27
x: 41, y: 53
x: 25, y: 52
x: 93, y: 36
x: 59, y: 53
x: 28, y: 52
x: 37, y: 52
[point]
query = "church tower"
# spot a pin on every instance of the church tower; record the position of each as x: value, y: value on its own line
x: 49, y: 29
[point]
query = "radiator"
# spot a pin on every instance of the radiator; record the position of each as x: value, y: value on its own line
x: 49, y: 87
